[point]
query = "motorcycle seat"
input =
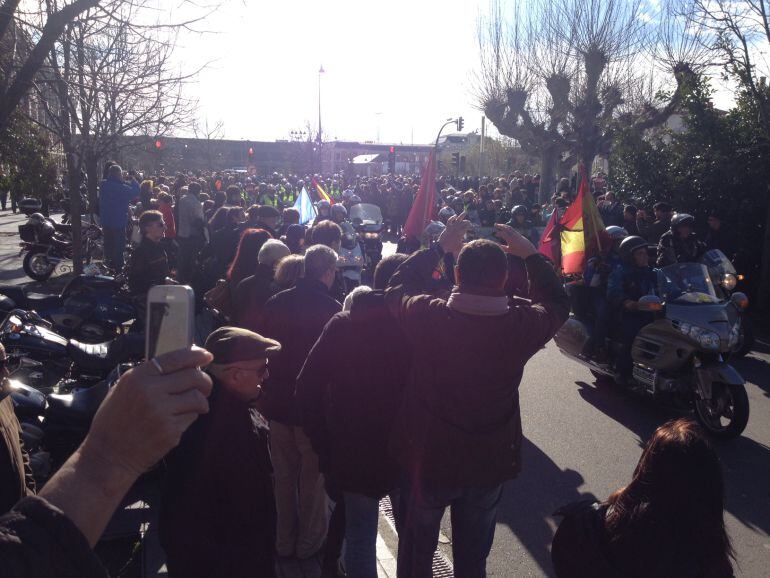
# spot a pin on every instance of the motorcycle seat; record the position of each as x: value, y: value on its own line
x: 62, y: 228
x: 103, y: 357
x: 38, y: 302
x: 80, y: 405
x: 95, y: 356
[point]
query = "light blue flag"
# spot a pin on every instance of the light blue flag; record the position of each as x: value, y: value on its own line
x: 304, y: 205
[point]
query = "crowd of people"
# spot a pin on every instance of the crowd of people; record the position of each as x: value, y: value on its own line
x: 315, y: 399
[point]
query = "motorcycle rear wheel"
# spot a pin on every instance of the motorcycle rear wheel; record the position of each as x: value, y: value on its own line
x: 726, y: 414
x: 38, y: 266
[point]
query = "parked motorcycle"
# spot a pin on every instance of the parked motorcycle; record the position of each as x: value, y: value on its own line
x: 43, y: 358
x: 90, y: 308
x: 54, y: 425
x: 679, y: 357
x: 48, y: 244
x: 367, y: 221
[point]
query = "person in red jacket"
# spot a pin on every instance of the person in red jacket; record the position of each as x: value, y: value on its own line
x: 458, y: 434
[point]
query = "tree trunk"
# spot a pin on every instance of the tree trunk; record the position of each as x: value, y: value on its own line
x: 764, y: 282
x: 75, y: 181
x: 549, y: 158
x: 92, y: 170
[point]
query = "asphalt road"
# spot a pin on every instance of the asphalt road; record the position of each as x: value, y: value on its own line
x: 583, y: 441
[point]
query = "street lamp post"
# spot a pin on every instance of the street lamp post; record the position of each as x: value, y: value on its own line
x: 320, y: 162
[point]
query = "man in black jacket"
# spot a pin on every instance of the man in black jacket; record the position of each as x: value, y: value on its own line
x: 218, y: 510
x: 295, y: 318
x: 458, y: 433
x: 349, y: 392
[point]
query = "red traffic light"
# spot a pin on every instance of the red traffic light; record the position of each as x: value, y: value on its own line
x: 392, y: 150
x: 158, y: 144
x: 251, y: 151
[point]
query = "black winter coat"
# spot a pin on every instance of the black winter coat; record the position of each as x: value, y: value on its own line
x: 460, y: 424
x: 295, y: 318
x: 250, y: 296
x: 217, y: 515
x: 349, y: 392
x: 37, y: 539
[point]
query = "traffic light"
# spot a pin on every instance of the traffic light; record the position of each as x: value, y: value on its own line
x: 159, y: 144
x: 392, y: 160
x: 456, y: 160
x: 460, y: 124
x: 250, y: 152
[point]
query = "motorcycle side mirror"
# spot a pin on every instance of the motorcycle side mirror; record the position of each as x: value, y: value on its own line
x: 739, y: 300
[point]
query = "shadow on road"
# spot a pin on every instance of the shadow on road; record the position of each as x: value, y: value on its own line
x: 530, y: 500
x: 755, y: 370
x: 746, y: 463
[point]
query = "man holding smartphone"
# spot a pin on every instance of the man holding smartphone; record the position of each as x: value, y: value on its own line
x: 218, y: 509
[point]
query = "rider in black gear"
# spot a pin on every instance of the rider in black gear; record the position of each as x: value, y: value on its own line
x: 680, y: 244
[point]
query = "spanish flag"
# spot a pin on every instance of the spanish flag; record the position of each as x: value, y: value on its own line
x: 582, y: 230
x: 322, y: 193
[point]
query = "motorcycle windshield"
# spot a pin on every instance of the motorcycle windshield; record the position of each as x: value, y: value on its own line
x: 686, y: 283
x: 718, y: 264
x: 365, y: 214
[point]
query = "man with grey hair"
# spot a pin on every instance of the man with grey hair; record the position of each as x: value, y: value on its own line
x: 295, y: 318
x: 115, y: 194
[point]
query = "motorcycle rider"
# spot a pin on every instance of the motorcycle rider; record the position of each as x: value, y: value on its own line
x: 596, y: 277
x: 680, y: 244
x: 521, y: 224
x: 627, y: 284
x: 149, y: 262
x: 338, y: 214
x: 324, y: 209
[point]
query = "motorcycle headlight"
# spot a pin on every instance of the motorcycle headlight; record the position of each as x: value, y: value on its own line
x: 371, y: 235
x: 729, y: 281
x: 705, y: 338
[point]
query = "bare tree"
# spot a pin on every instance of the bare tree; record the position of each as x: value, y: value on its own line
x: 17, y: 83
x: 561, y: 77
x: 209, y: 133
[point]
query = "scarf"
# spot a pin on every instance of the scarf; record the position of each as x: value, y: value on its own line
x: 477, y: 304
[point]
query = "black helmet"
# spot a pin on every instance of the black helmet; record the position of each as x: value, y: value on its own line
x: 519, y: 210
x: 629, y: 246
x: 680, y: 219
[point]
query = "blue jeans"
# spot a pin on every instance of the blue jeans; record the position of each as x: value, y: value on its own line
x: 473, y: 513
x: 114, y: 247
x: 361, y: 517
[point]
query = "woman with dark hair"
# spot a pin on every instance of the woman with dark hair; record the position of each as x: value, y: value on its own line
x: 245, y: 262
x: 218, y: 220
x: 668, y: 521
x: 295, y: 238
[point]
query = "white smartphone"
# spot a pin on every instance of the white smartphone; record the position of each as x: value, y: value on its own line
x: 170, y: 319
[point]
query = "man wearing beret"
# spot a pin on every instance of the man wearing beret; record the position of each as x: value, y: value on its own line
x: 217, y: 513
x: 267, y: 219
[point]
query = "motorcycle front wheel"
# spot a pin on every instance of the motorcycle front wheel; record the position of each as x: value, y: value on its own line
x: 38, y: 266
x: 726, y: 414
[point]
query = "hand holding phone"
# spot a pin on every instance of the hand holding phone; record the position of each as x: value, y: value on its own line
x: 170, y: 319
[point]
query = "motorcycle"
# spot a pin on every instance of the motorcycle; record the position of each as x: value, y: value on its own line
x: 726, y: 278
x: 351, y: 257
x: 367, y: 221
x: 54, y: 425
x: 678, y: 358
x: 49, y: 244
x: 49, y: 361
x: 90, y: 308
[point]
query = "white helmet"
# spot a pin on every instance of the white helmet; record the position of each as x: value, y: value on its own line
x: 616, y: 232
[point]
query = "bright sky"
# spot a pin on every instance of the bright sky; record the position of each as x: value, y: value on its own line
x: 399, y: 65
x: 394, y: 69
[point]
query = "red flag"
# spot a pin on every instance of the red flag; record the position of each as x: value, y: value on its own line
x: 424, y: 203
x: 550, y: 242
x: 582, y: 229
